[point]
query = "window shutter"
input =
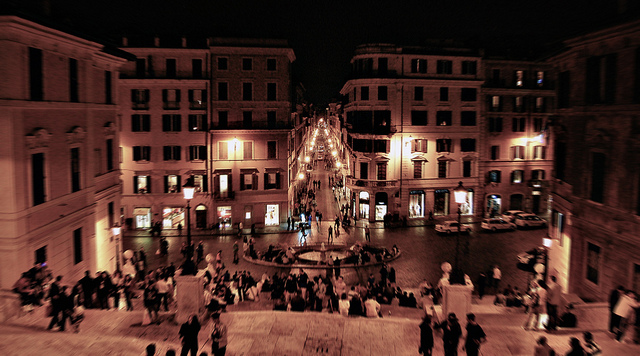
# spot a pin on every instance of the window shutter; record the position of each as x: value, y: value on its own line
x: 164, y: 95
x: 166, y: 184
x: 135, y: 123
x: 205, y: 183
x: 205, y: 123
x: 178, y: 95
x: 148, y: 184
x: 204, y: 96
x: 278, y: 180
x: 136, y: 153
x: 216, y: 184
x: 146, y: 95
x: 133, y: 95
x: 190, y: 94
x: 166, y: 153
x: 166, y: 123
x: 230, y: 183
x: 146, y: 123
x: 203, y: 152
x: 513, y: 176
x: 266, y: 181
x: 179, y: 180
x: 177, y: 154
x: 192, y: 120
x: 146, y: 153
x: 177, y: 122
x: 242, y: 182
x: 135, y: 184
x: 388, y: 146
x: 255, y: 181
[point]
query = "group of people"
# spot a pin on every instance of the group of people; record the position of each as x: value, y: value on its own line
x: 451, y: 334
x: 31, y: 284
x: 590, y: 347
x: 64, y: 305
x: 189, y: 332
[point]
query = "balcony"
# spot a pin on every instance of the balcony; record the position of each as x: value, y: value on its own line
x: 366, y: 183
x: 230, y: 196
x: 140, y: 106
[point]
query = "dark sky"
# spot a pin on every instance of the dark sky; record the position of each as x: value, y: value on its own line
x: 324, y: 33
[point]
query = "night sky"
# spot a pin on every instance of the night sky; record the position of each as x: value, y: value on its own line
x: 324, y: 33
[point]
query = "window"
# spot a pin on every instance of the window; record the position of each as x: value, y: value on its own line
x: 171, y: 123
x: 468, y: 145
x: 381, y: 146
x: 109, y: 152
x: 495, y: 124
x: 142, y: 153
x: 601, y: 79
x: 494, y: 176
x: 249, y: 181
x: 38, y: 178
x: 271, y: 119
x: 111, y: 213
x: 381, y: 169
x: 272, y: 149
x: 141, y: 184
x: 469, y: 67
x: 537, y: 174
x: 200, y: 181
x: 247, y: 150
x: 598, y: 170
x: 443, y: 145
x: 418, y: 93
x: 468, y: 118
x: 141, y: 67
x: 518, y: 124
x: 468, y: 94
x: 519, y: 78
x: 171, y: 153
x: 538, y: 124
x: 540, y: 78
x: 223, y: 91
x: 247, y: 64
x: 271, y: 64
x: 223, y: 119
x: 196, y: 68
x: 140, y: 123
x: 418, y: 118
x: 73, y: 80
x: 172, y: 183
x: 271, y: 92
x: 593, y: 262
x: 108, y: 87
x: 383, y: 65
x: 518, y: 152
x: 271, y: 180
x: 466, y: 168
x: 495, y: 76
x: 419, y: 145
x: 417, y: 169
x: 247, y: 119
x: 445, y: 66
x: 171, y: 99
x: 75, y: 169
x: 539, y: 152
x: 140, y: 98
x: 364, y: 93
x: 197, y: 99
x: 495, y: 152
x: 170, y: 67
x: 77, y: 246
x: 518, y: 104
x: 36, y: 84
x: 364, y: 170
x: 197, y: 122
x: 247, y: 91
x: 223, y: 63
x: 197, y: 153
x: 564, y: 89
x: 382, y: 93
x: 443, y: 118
x: 540, y: 105
x: 41, y: 255
x: 496, y: 103
x: 223, y: 150
x: 444, y: 94
x: 517, y: 176
x: 442, y: 169
x: 418, y: 65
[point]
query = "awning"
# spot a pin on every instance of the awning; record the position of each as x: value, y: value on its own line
x: 222, y: 171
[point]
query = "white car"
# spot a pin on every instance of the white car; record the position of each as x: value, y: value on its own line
x: 451, y: 226
x: 529, y: 220
x: 497, y: 224
x: 509, y: 215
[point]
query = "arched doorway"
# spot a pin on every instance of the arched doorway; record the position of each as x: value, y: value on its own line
x: 201, y: 217
x: 494, y: 205
x: 381, y: 205
x: 441, y: 202
x: 515, y: 202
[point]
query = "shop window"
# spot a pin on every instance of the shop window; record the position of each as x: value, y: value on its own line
x: 416, y: 204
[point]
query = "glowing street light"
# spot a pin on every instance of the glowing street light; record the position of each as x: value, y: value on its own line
x: 338, y: 164
x: 334, y: 152
x: 301, y: 176
x: 307, y: 159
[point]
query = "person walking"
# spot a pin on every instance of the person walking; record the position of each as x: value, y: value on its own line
x: 576, y: 348
x: 538, y: 305
x: 451, y: 333
x: 367, y: 233
x: 554, y: 298
x: 218, y: 336
x: 496, y: 277
x: 330, y: 235
x: 475, y: 336
x: 189, y: 336
x: 426, y: 336
x: 614, y: 320
x: 542, y: 348
x: 56, y: 304
x: 623, y: 310
x: 235, y: 252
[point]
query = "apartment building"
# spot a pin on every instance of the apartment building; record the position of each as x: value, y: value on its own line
x: 60, y: 176
x: 516, y: 151
x: 596, y: 191
x: 412, y: 130
x: 217, y: 111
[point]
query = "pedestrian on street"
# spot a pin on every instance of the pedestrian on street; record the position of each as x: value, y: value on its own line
x: 614, y: 321
x: 426, y: 336
x: 189, y: 336
x: 288, y: 223
x: 367, y: 233
x: 554, y: 298
x: 590, y: 345
x: 218, y: 336
x: 235, y: 252
x: 482, y: 281
x: 451, y: 333
x: 330, y: 236
x: 542, y: 348
x: 475, y: 336
x: 624, y: 309
x: 496, y: 277
x: 337, y: 222
x: 576, y: 348
x: 56, y: 305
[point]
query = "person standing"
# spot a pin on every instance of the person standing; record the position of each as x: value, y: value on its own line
x: 538, y: 305
x: 56, y: 305
x: 218, y: 336
x: 367, y: 233
x: 623, y: 310
x: 451, y: 333
x: 163, y: 290
x: 87, y: 289
x: 496, y: 277
x: 199, y: 252
x: 554, y: 298
x: 426, y: 336
x: 150, y: 300
x: 330, y: 236
x: 482, y: 281
x: 189, y: 336
x: 542, y: 348
x: 475, y: 336
x: 614, y: 320
x: 288, y: 223
x: 235, y: 252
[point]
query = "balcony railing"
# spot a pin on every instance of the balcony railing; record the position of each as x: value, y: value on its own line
x: 366, y: 183
x: 140, y: 106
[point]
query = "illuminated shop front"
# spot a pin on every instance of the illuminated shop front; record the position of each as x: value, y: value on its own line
x: 494, y: 205
x: 441, y: 202
x: 467, y: 207
x: 364, y: 205
x: 381, y: 205
x: 142, y: 218
x: 171, y: 217
x: 224, y: 216
x: 272, y: 215
x: 416, y: 204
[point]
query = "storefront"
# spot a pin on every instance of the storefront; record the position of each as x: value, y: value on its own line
x: 467, y: 207
x: 272, y: 215
x: 416, y: 204
x: 142, y: 218
x: 364, y: 205
x: 494, y: 205
x: 171, y: 217
x: 381, y: 205
x: 201, y: 217
x: 224, y: 216
x: 441, y: 202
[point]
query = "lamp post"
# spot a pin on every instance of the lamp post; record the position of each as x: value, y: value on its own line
x: 116, y: 233
x: 460, y: 195
x: 188, y: 189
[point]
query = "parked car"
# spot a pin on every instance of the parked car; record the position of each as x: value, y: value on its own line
x: 529, y: 220
x: 509, y: 215
x: 452, y: 226
x: 495, y: 224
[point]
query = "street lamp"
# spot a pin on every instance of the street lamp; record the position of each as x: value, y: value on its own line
x: 116, y: 229
x: 460, y: 196
x: 188, y: 189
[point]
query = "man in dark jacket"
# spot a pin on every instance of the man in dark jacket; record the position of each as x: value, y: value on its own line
x: 426, y: 336
x: 475, y: 336
x: 56, y: 305
x: 87, y: 289
x: 451, y: 334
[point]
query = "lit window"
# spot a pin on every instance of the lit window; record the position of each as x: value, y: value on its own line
x: 540, y: 78
x: 517, y: 176
x: 539, y: 152
x: 172, y: 184
x: 141, y: 153
x: 519, y: 78
x: 141, y: 184
x: 518, y: 152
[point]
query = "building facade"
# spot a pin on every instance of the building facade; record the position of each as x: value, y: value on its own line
x: 596, y: 192
x: 60, y: 176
